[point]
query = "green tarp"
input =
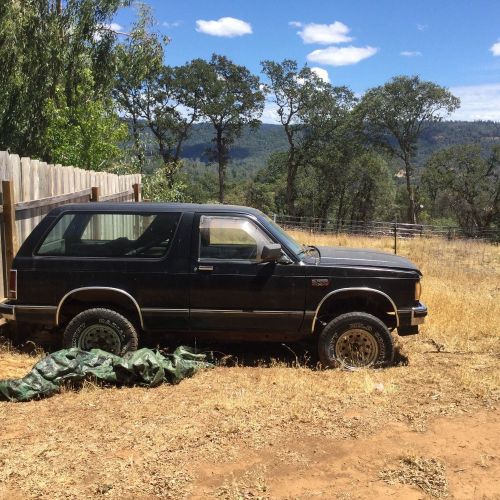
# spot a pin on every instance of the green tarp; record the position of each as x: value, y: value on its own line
x: 143, y: 367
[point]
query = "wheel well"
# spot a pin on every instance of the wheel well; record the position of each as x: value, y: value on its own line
x: 80, y: 300
x: 356, y: 301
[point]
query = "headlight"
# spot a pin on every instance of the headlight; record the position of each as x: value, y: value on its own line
x: 418, y: 290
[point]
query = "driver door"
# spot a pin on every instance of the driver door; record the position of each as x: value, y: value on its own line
x: 232, y: 289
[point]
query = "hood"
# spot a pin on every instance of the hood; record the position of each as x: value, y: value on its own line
x: 341, y: 256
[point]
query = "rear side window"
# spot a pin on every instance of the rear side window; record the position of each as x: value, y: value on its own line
x: 108, y: 234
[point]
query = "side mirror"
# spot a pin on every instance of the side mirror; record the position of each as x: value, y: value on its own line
x: 271, y: 253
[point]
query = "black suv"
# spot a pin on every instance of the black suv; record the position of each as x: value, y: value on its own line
x: 104, y: 272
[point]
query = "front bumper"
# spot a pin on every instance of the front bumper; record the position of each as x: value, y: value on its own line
x: 418, y: 314
x: 8, y: 311
x: 409, y: 319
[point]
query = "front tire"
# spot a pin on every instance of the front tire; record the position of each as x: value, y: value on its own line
x: 355, y: 340
x: 101, y: 328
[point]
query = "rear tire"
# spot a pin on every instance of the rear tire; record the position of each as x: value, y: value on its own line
x: 355, y: 340
x: 101, y: 328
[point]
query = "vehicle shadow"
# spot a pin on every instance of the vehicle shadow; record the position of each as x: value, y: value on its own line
x: 301, y: 354
x: 261, y: 354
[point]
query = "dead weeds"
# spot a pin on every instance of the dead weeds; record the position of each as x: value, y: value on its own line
x: 429, y: 474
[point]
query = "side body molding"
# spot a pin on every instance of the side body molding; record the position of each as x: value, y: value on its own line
x: 355, y: 289
x: 105, y: 288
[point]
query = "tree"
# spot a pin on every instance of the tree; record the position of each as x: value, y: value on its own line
x: 395, y: 115
x: 157, y: 187
x: 467, y: 182
x: 47, y: 49
x: 290, y: 88
x: 165, y: 99
x: 86, y: 135
x: 230, y: 98
x: 139, y: 60
x: 331, y: 139
x: 171, y: 105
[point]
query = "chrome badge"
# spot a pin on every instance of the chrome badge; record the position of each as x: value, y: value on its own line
x: 320, y: 282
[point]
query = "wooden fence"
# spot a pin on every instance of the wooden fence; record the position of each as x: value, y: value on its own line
x: 31, y: 188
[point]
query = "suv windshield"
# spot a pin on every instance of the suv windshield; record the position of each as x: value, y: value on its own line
x: 295, y: 247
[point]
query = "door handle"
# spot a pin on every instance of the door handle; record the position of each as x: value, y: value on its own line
x: 205, y: 268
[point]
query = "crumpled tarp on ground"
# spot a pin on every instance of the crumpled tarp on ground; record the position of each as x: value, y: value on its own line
x: 143, y: 367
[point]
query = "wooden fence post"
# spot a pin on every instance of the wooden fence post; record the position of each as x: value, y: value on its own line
x: 137, y: 192
x: 395, y: 238
x: 9, y: 216
x: 95, y: 193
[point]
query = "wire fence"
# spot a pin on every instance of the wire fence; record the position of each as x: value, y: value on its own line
x: 397, y: 230
x: 436, y: 250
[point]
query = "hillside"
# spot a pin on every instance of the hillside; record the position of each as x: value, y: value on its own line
x: 251, y: 151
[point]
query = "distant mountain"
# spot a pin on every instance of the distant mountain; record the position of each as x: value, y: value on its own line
x: 251, y: 151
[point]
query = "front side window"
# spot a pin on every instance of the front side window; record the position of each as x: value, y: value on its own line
x: 110, y: 235
x: 231, y: 238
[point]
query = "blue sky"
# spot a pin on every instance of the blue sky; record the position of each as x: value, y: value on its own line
x: 359, y: 43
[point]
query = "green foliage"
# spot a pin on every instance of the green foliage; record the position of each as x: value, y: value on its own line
x: 47, y: 49
x: 64, y: 75
x: 229, y: 97
x: 395, y: 114
x: 85, y: 135
x: 157, y: 187
x: 139, y: 60
x: 460, y: 181
x: 293, y: 92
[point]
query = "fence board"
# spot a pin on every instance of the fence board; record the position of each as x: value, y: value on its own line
x: 38, y: 187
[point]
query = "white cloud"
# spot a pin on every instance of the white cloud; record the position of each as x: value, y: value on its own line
x: 325, y: 34
x: 422, y: 27
x: 295, y: 24
x: 478, y: 102
x: 341, y: 56
x: 270, y: 113
x: 495, y: 49
x: 411, y: 53
x: 168, y: 24
x: 321, y: 73
x: 225, y: 26
x: 114, y: 27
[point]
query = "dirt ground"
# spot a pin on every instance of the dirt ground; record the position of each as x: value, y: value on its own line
x: 267, y: 423
x: 281, y: 429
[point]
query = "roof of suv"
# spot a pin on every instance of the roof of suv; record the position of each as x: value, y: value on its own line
x: 152, y: 207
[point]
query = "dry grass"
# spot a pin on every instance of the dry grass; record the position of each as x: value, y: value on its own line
x: 284, y: 429
x: 429, y: 474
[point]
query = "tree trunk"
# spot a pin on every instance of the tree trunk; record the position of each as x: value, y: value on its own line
x: 290, y: 188
x: 221, y: 160
x: 412, y: 214
x: 167, y: 162
x: 291, y: 173
x: 180, y: 141
x: 137, y: 143
x: 340, y: 209
x: 323, y: 209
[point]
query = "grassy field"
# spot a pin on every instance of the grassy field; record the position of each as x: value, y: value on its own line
x: 281, y: 428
